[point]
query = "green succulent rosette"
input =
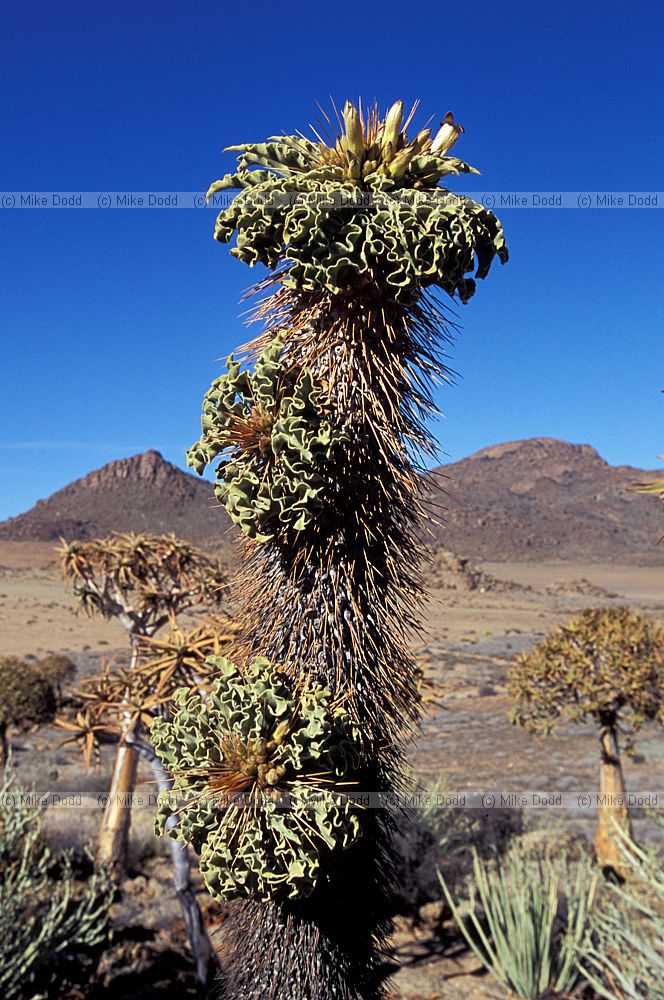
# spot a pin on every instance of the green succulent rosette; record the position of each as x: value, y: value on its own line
x: 259, y: 776
x: 368, y: 208
x: 272, y: 436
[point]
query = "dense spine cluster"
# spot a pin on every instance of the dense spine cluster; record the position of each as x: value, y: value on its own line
x: 355, y: 229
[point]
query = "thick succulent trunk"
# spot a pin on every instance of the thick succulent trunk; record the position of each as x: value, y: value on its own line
x: 612, y: 805
x: 324, y: 947
x: 3, y: 744
x: 113, y: 836
x: 331, y: 498
x: 337, y: 606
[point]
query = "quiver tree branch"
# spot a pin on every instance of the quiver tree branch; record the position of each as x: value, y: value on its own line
x: 144, y: 581
x: 120, y: 706
x: 318, y: 452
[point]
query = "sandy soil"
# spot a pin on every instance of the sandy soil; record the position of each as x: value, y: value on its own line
x: 469, y: 640
x: 38, y: 613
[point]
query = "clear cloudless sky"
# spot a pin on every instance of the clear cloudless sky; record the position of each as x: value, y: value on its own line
x: 111, y: 321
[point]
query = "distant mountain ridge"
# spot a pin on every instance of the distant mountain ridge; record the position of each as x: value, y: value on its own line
x: 542, y: 498
x: 523, y: 500
x: 141, y: 493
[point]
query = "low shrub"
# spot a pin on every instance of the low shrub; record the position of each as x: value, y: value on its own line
x: 45, y: 926
x: 623, y: 957
x: 26, y: 698
x: 56, y: 669
x: 526, y: 920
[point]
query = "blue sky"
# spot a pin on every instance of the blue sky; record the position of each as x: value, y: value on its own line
x: 112, y: 320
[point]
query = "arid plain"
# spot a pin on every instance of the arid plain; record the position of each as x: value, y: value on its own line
x: 481, y: 611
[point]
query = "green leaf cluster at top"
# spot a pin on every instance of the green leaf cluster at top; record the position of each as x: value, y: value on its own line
x: 332, y: 232
x: 234, y: 756
x: 272, y: 436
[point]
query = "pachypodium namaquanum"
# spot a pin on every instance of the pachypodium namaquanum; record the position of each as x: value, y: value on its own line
x: 321, y: 450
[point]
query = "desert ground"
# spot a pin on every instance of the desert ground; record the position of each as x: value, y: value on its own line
x: 476, y: 620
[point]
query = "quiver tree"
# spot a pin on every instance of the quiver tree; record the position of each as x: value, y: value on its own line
x: 144, y: 581
x: 605, y: 665
x: 26, y: 698
x: 318, y: 450
x: 123, y: 704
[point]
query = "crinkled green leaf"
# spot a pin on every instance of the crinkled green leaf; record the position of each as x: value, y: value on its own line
x: 273, y: 848
x: 280, y: 489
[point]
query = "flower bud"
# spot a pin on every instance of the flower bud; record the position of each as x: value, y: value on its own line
x: 421, y: 139
x: 399, y: 165
x: 393, y: 121
x: 354, y: 133
x: 354, y: 168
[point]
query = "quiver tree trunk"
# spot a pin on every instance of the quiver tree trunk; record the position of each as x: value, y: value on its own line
x: 612, y: 808
x: 113, y: 837
x: 320, y: 450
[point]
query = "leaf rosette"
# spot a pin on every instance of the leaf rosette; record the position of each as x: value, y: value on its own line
x: 366, y: 208
x: 271, y: 432
x: 261, y: 784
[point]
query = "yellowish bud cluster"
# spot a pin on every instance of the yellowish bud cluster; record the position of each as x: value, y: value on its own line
x: 374, y: 146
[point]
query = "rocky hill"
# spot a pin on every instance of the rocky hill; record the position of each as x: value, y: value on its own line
x: 546, y: 499
x: 142, y: 493
x: 527, y: 500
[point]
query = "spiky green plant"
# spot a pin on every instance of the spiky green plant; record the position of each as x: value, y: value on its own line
x: 358, y: 236
x: 536, y: 915
x: 42, y: 922
x: 623, y: 955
